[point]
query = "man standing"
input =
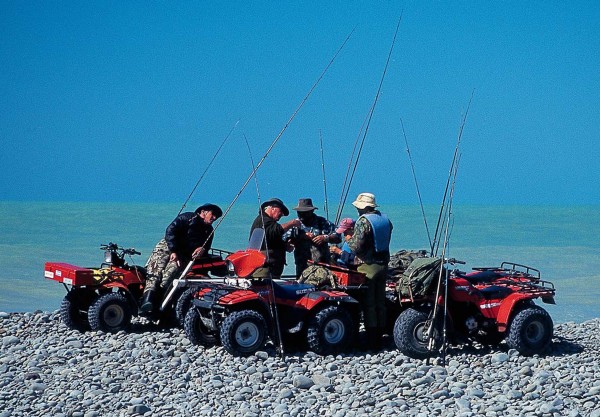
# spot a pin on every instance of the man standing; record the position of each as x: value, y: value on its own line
x: 312, y: 238
x: 271, y: 211
x: 188, y: 237
x: 371, y: 243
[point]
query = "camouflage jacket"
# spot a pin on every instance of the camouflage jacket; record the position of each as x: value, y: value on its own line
x: 305, y: 250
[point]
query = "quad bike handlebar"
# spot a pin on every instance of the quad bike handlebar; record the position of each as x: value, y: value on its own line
x: 113, y: 247
x: 453, y: 261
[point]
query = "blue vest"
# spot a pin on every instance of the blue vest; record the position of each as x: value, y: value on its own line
x: 382, y: 232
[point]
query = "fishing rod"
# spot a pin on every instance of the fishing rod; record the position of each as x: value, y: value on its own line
x: 237, y: 196
x: 434, y: 249
x: 433, y: 322
x: 340, y: 208
x: 209, y: 164
x: 345, y: 192
x: 324, y: 178
x: 412, y: 166
x: 272, y: 302
x: 449, y: 228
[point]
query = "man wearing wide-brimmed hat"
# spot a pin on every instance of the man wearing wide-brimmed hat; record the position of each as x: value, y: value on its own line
x: 271, y: 211
x: 371, y: 243
x: 188, y: 237
x: 311, y: 240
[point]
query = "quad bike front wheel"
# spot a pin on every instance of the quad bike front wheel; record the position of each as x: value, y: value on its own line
x: 411, y: 333
x: 330, y: 330
x: 530, y: 331
x: 244, y: 332
x: 74, y: 310
x: 183, y: 305
x: 110, y: 313
x: 196, y: 331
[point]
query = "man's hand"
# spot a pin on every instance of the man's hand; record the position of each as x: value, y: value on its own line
x: 335, y: 250
x: 320, y: 239
x: 173, y: 258
x: 198, y: 253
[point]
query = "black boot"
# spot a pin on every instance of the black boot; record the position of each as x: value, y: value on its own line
x: 147, y: 304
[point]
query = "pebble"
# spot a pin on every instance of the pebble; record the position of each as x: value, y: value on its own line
x: 47, y: 369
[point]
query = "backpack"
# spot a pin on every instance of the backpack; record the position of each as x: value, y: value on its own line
x: 420, y: 278
x: 318, y: 276
x: 400, y: 260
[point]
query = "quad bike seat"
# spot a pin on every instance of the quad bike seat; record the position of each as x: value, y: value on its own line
x: 480, y: 277
x: 293, y: 291
x: 494, y: 292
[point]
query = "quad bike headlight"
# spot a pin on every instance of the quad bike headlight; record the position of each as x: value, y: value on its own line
x: 108, y: 257
x: 230, y: 267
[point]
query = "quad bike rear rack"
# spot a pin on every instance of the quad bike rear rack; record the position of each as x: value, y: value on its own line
x: 513, y: 269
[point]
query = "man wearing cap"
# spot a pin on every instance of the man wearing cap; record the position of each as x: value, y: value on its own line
x: 311, y: 240
x: 343, y: 254
x: 371, y: 243
x: 271, y: 211
x: 188, y: 237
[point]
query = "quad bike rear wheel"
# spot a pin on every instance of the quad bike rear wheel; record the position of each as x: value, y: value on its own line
x: 530, y: 331
x: 244, y: 332
x: 74, y: 310
x: 196, y: 331
x: 110, y: 313
x: 411, y: 334
x: 330, y: 330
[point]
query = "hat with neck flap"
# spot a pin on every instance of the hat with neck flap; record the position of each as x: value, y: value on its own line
x: 365, y: 200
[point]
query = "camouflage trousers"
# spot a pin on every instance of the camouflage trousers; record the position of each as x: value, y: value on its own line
x: 160, y: 272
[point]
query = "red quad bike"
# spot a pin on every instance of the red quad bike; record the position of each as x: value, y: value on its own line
x: 354, y: 283
x: 243, y: 313
x: 488, y: 305
x: 107, y: 297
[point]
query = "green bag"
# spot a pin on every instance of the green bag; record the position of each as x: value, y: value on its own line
x: 400, y: 260
x: 318, y: 276
x: 420, y: 278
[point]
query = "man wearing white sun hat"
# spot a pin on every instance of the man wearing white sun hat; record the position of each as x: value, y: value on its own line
x: 371, y: 243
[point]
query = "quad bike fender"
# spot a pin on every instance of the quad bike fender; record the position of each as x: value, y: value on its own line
x: 119, y: 285
x: 239, y: 297
x: 312, y: 299
x: 247, y: 261
x: 507, y: 309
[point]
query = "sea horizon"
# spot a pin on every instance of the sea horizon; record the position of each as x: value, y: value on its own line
x: 561, y: 241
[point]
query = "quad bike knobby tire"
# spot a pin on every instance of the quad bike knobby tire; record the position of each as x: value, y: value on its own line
x: 110, y: 313
x: 74, y: 310
x: 530, y: 331
x: 196, y: 331
x: 330, y: 331
x: 183, y: 305
x: 244, y: 332
x: 411, y: 333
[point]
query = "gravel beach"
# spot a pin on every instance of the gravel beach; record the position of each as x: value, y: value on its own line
x: 49, y: 370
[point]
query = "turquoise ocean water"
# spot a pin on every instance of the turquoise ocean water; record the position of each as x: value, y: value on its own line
x: 562, y: 242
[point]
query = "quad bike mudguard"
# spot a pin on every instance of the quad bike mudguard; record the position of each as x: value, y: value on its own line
x: 247, y: 261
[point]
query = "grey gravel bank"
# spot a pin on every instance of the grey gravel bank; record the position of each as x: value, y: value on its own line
x: 49, y: 370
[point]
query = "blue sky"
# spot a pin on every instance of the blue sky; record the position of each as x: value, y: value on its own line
x: 129, y: 101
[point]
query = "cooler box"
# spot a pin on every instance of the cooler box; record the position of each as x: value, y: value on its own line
x: 69, y: 274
